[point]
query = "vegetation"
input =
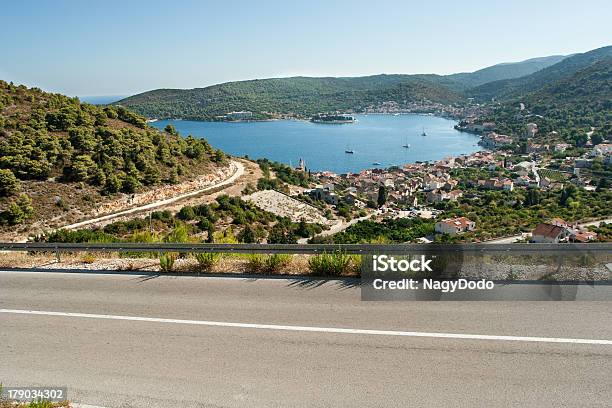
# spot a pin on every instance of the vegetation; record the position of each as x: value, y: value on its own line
x: 284, y: 173
x: 197, y: 224
x: 504, y: 71
x: 388, y: 231
x: 48, y: 141
x: 34, y: 404
x: 268, y: 263
x: 333, y: 264
x: 512, y: 88
x: 206, y: 260
x: 382, y: 196
x: 501, y: 213
x: 166, y: 261
x: 305, y: 97
x: 300, y: 96
x: 18, y: 211
x: 50, y: 135
x: 9, y: 184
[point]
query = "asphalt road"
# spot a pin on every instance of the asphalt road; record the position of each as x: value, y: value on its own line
x: 270, y: 359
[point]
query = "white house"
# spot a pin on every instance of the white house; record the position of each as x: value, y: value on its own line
x: 454, y: 226
x: 549, y: 233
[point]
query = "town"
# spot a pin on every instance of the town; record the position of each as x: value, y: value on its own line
x: 523, y: 170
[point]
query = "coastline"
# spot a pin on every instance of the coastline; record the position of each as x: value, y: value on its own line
x: 375, y: 140
x: 301, y: 119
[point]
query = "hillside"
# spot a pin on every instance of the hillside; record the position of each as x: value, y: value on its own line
x: 571, y: 106
x: 504, y: 71
x: 513, y: 88
x: 301, y: 96
x: 59, y: 156
x: 589, y: 90
x: 304, y: 96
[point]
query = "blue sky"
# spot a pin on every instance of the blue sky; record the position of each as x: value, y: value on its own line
x: 123, y: 47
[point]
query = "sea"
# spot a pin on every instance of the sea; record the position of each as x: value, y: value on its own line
x: 376, y: 140
x: 101, y: 99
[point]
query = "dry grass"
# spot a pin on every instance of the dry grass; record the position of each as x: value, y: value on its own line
x: 88, y: 258
x: 42, y: 404
x: 225, y: 263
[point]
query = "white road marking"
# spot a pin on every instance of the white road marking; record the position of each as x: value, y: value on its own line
x: 314, y: 329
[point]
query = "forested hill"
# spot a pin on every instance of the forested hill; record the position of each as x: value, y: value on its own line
x: 504, y: 71
x: 298, y: 95
x: 571, y: 105
x: 304, y: 96
x: 565, y: 69
x: 51, y: 144
x: 589, y: 89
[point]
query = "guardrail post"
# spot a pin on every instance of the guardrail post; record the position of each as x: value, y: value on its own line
x: 57, y: 255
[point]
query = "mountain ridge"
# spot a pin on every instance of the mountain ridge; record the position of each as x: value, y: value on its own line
x: 305, y: 96
x: 512, y: 88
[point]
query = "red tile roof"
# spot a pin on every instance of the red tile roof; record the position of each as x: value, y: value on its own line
x: 548, y: 230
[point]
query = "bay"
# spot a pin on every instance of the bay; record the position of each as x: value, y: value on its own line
x: 373, y: 138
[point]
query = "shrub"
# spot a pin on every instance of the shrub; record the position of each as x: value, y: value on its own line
x: 268, y: 263
x: 166, y: 261
x: 247, y: 235
x: 88, y: 258
x: 255, y: 263
x: 9, y: 184
x: 275, y: 262
x: 179, y: 234
x: 186, y: 213
x: 330, y: 264
x: 206, y: 260
x: 18, y: 212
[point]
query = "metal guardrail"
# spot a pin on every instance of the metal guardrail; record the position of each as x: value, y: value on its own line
x: 353, y: 249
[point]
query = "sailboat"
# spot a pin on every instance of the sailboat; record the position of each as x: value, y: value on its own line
x: 423, y: 134
x: 407, y: 145
x: 348, y: 150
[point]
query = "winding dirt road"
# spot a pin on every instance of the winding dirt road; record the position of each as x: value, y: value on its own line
x: 238, y: 172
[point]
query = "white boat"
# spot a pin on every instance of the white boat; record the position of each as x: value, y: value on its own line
x: 349, y: 149
x: 376, y: 164
x: 407, y: 145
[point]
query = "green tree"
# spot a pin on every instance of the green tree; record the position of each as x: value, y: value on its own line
x: 174, y: 178
x: 596, y: 138
x: 382, y: 196
x: 19, y: 211
x: 210, y: 233
x: 131, y: 184
x: 113, y: 184
x: 302, y: 229
x: 82, y: 169
x: 281, y: 233
x: 568, y: 194
x: 9, y: 184
x: 219, y: 156
x: 247, y: 235
x: 532, y: 198
x: 603, y: 184
x: 170, y: 129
